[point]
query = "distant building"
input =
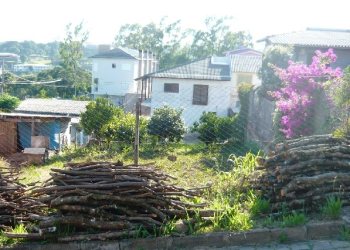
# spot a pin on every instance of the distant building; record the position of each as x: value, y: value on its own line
x: 114, y: 73
x: 7, y: 60
x: 306, y: 42
x: 28, y: 68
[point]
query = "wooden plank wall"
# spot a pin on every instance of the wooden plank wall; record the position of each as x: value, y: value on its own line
x: 8, y: 138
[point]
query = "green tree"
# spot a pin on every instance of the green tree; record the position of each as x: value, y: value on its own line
x: 71, y: 52
x: 8, y: 102
x: 274, y: 56
x: 98, y: 113
x: 217, y: 38
x: 166, y: 124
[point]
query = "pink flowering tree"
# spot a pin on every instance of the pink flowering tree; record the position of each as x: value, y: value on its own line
x: 302, y: 85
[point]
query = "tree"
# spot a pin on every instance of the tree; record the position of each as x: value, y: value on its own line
x: 98, y: 113
x: 8, y: 102
x: 303, y: 87
x: 71, y: 52
x: 166, y: 124
x: 164, y: 39
x: 217, y: 38
x: 274, y: 56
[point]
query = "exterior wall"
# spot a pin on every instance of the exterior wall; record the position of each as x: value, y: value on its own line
x: 218, y: 97
x: 222, y: 97
x: 305, y: 55
x: 8, y: 138
x: 116, y: 81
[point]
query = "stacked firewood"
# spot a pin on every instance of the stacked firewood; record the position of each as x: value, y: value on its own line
x: 302, y: 173
x: 111, y: 200
x: 15, y: 206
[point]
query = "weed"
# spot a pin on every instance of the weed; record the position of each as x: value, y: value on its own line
x: 345, y: 233
x: 282, y: 238
x: 293, y: 219
x: 259, y: 206
x: 332, y: 207
x: 231, y: 219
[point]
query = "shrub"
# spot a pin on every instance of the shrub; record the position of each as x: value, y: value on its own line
x: 293, y: 219
x: 166, y: 124
x: 8, y: 102
x: 214, y: 129
x: 98, y: 114
x: 122, y: 129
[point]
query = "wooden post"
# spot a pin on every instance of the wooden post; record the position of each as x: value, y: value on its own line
x: 137, y: 134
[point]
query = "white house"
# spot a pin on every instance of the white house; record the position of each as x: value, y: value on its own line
x: 114, y: 73
x: 207, y: 85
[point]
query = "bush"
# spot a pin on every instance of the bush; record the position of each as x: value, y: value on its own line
x: 122, y: 129
x: 332, y: 207
x: 98, y: 114
x: 166, y: 124
x: 8, y: 102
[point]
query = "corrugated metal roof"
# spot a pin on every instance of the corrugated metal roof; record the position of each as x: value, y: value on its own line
x: 313, y: 37
x: 51, y: 107
x: 244, y: 63
x: 201, y: 70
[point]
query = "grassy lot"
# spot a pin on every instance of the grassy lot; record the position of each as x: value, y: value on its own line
x: 238, y: 206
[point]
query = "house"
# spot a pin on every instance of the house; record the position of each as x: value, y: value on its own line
x: 306, y: 42
x: 28, y: 67
x: 49, y: 123
x: 114, y: 73
x: 206, y: 85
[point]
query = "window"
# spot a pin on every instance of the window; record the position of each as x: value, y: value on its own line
x: 96, y: 88
x: 171, y: 87
x: 96, y: 80
x: 200, y: 94
x: 113, y: 65
x: 244, y: 78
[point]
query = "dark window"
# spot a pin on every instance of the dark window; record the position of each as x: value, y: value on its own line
x: 96, y: 80
x: 113, y: 65
x: 200, y: 94
x: 171, y: 87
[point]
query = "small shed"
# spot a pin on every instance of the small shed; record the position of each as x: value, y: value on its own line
x: 42, y: 123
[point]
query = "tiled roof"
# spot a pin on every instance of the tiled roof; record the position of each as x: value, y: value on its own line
x: 246, y: 64
x: 118, y: 53
x: 314, y: 38
x: 51, y: 107
x: 202, y: 69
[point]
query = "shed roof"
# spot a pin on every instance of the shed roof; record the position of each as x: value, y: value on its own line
x: 313, y: 37
x: 56, y: 107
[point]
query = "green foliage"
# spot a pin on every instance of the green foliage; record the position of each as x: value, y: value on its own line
x: 260, y: 206
x: 8, y: 102
x: 332, y: 207
x: 71, y: 52
x: 122, y: 129
x: 293, y: 219
x: 214, y: 129
x: 282, y: 238
x: 98, y: 114
x: 345, y: 233
x: 166, y: 124
x: 167, y: 40
x: 274, y: 56
x: 231, y: 219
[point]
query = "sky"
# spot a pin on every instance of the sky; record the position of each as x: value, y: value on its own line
x: 45, y: 20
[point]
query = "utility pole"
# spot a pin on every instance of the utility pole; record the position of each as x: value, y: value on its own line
x: 2, y: 76
x: 137, y: 134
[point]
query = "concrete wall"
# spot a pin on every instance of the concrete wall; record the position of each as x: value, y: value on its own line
x: 114, y: 81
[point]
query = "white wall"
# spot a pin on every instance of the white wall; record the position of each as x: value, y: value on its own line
x: 218, y: 97
x: 114, y: 81
x: 222, y: 96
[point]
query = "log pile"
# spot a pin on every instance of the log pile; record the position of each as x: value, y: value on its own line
x: 301, y: 173
x: 15, y: 206
x: 111, y: 200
